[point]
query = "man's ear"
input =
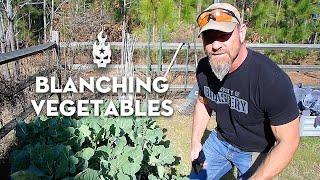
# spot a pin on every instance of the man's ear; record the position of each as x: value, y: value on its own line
x: 242, y: 32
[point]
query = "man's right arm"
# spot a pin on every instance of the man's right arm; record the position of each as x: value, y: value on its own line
x: 201, y: 118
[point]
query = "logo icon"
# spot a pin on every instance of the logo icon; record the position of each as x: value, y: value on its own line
x: 101, y: 51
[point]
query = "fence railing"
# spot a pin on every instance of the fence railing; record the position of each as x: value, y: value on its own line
x: 187, y: 67
x: 182, y: 67
x: 21, y: 85
x: 198, y: 46
x: 19, y: 54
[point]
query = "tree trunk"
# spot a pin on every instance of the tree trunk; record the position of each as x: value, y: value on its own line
x: 101, y: 9
x: 77, y: 6
x: 52, y: 16
x: 278, y: 12
x: 11, y: 38
x: 84, y: 6
x: 243, y: 8
x: 180, y: 6
x: 199, y: 4
x: 2, y: 33
x: 154, y: 26
x: 10, y: 31
x: 5, y: 71
x: 44, y: 21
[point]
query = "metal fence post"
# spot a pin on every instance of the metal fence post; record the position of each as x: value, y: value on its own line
x: 160, y: 57
x: 186, y: 71
x: 148, y: 57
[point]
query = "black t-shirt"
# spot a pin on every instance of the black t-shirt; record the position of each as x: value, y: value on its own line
x: 250, y: 99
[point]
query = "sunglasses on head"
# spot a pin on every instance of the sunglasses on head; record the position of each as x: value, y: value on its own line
x: 218, y: 15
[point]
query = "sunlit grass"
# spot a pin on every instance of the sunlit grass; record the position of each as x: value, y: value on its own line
x: 306, y: 163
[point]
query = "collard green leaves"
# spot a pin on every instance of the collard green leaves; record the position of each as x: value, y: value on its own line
x: 92, y: 148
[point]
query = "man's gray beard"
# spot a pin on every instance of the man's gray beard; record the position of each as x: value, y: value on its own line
x: 220, y: 68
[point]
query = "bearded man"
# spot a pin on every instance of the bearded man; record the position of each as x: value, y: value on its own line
x: 256, y: 112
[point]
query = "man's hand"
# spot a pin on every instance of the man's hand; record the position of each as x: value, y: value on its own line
x: 195, y: 150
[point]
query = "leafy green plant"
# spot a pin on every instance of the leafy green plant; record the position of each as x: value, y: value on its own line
x: 92, y: 148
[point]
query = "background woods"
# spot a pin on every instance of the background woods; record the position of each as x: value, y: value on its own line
x: 28, y: 22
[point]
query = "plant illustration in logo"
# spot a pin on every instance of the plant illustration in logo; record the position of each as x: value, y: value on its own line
x: 101, y: 51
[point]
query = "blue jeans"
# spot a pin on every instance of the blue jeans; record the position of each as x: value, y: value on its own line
x: 220, y: 156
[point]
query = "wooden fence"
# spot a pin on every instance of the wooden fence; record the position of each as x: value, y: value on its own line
x: 186, y: 68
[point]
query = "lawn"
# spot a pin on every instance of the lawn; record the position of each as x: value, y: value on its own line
x: 306, y: 164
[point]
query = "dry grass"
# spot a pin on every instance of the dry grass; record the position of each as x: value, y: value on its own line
x: 306, y: 164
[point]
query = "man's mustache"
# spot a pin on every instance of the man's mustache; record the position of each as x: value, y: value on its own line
x: 217, y: 53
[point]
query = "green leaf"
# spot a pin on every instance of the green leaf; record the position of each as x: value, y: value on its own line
x: 120, y: 144
x: 137, y: 154
x: 80, y: 140
x: 68, y: 122
x: 68, y: 178
x: 85, y: 153
x: 24, y: 175
x: 131, y: 168
x: 154, y: 161
x: 139, y: 141
x: 43, y: 118
x: 53, y: 132
x: 88, y: 174
x: 74, y: 160
x: 69, y: 131
x: 95, y: 126
x: 156, y: 150
x: 20, y: 159
x: 21, y: 130
x: 154, y: 156
x: 121, y: 161
x: 161, y: 171
x: 105, y: 122
x: 105, y: 149
x: 167, y: 156
x: 62, y: 168
x: 85, y: 130
x: 73, y: 168
x: 125, y: 124
x: 122, y: 176
x: 113, y: 169
x: 152, y: 177
x: 83, y: 164
x: 99, y: 136
x: 52, y: 122
x: 36, y: 171
x: 154, y: 135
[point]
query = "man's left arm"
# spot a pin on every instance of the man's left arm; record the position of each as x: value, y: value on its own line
x: 287, y: 142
